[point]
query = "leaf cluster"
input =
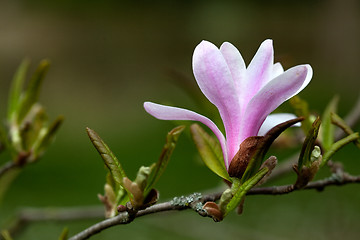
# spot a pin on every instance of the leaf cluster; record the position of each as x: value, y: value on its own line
x: 119, y: 189
x: 28, y: 130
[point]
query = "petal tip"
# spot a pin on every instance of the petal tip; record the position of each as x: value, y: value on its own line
x: 225, y: 44
x: 151, y: 107
x: 202, y: 49
x: 267, y: 46
x: 309, y: 68
x: 268, y: 42
x: 204, y: 43
x: 147, y: 106
x: 305, y: 69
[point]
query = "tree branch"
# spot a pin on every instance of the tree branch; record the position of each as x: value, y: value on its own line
x: 197, y: 203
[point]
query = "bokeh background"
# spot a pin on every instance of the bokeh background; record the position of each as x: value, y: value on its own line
x: 108, y: 57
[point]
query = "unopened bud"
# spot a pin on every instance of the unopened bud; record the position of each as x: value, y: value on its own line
x: 242, y: 158
x: 213, y: 210
x: 121, y: 208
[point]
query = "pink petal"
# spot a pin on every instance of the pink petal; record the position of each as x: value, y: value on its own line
x: 173, y: 113
x: 271, y: 96
x: 307, y: 80
x: 215, y: 80
x: 274, y: 119
x: 260, y: 69
x: 236, y: 65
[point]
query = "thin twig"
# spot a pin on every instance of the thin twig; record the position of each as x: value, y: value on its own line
x: 7, y: 167
x: 27, y: 216
x: 318, y: 185
x: 123, y: 218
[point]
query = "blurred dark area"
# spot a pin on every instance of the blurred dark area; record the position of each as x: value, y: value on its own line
x: 108, y: 57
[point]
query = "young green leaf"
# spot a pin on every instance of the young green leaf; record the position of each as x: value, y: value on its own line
x: 109, y: 158
x: 32, y: 92
x: 338, y: 121
x: 6, y: 235
x: 240, y: 190
x: 142, y: 176
x: 302, y: 110
x: 122, y: 196
x: 327, y: 129
x: 45, y: 137
x: 210, y: 151
x: 337, y: 146
x: 35, y: 126
x: 111, y: 182
x: 227, y: 195
x: 171, y: 141
x: 308, y: 146
x: 64, y: 234
x: 16, y: 88
x: 309, y: 170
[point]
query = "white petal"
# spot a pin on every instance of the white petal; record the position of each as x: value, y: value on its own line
x: 274, y: 119
x: 277, y: 70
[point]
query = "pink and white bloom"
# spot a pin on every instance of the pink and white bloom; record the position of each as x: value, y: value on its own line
x: 244, y: 96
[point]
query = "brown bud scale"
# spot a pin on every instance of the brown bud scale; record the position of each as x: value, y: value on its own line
x: 242, y: 158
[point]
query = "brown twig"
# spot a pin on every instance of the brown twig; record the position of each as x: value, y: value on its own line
x: 197, y: 203
x: 318, y: 185
x: 27, y: 216
x: 193, y: 201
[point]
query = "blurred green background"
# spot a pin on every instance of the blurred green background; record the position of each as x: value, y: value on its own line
x: 108, y: 57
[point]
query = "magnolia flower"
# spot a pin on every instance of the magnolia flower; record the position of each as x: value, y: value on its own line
x: 244, y: 96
